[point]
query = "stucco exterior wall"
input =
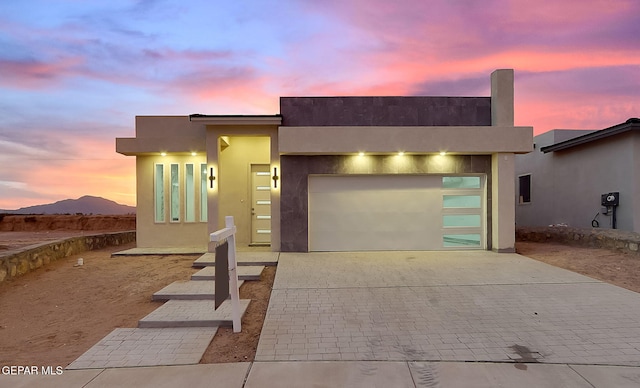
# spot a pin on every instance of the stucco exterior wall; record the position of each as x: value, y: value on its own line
x: 502, y: 203
x: 567, y: 185
x: 635, y: 170
x: 165, y: 234
x: 171, y: 134
x: 255, y: 144
x: 418, y: 139
x: 235, y: 180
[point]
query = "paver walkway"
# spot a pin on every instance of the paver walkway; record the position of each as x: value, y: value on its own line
x: 445, y: 306
x: 176, y: 333
x: 130, y: 347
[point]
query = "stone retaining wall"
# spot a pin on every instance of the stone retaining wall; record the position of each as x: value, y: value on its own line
x: 18, y: 262
x: 597, y: 238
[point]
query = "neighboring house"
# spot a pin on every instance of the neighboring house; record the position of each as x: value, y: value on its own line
x: 563, y: 181
x: 335, y: 174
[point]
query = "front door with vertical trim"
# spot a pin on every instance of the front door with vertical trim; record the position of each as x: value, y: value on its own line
x: 260, y: 204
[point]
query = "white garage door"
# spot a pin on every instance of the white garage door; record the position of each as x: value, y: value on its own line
x: 395, y: 212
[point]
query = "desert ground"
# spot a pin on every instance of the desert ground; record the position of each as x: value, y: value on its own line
x: 54, y: 314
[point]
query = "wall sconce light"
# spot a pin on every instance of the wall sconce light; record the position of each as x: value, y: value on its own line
x: 211, y: 178
x: 275, y: 177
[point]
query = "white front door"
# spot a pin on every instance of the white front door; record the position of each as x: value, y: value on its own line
x: 260, y: 204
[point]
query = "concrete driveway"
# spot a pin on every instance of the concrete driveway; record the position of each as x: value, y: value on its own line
x: 445, y: 306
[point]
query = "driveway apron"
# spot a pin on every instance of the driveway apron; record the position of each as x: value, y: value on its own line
x: 445, y: 306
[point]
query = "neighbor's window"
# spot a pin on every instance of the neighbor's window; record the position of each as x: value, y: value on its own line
x: 175, y: 193
x: 203, y: 192
x: 159, y: 193
x: 189, y: 194
x: 524, y: 183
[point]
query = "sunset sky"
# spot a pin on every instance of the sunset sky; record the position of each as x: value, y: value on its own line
x: 75, y: 73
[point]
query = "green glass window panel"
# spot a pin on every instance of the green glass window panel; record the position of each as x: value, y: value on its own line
x: 203, y: 192
x: 189, y: 194
x: 159, y: 193
x: 461, y: 182
x: 461, y: 240
x: 461, y: 201
x: 461, y: 220
x: 175, y: 193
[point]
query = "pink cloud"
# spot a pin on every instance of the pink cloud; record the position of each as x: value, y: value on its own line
x: 34, y: 74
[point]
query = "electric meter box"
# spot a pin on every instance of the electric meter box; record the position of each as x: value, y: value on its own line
x: 610, y: 199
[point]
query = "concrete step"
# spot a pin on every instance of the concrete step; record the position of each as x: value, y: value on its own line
x: 188, y: 290
x: 242, y: 258
x: 192, y: 313
x: 244, y: 273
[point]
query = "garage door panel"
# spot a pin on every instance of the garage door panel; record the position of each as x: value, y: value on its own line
x: 395, y: 212
x: 380, y: 222
x: 363, y: 241
x: 374, y: 213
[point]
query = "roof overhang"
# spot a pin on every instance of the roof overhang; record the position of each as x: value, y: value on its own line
x: 629, y: 125
x: 236, y: 119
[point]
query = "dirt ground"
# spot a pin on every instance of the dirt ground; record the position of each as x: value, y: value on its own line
x: 54, y: 314
x: 619, y: 268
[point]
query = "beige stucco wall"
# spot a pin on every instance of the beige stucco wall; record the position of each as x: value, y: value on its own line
x: 503, y: 202
x: 171, y: 134
x: 462, y: 140
x: 247, y: 139
x: 503, y: 159
x: 502, y: 98
x: 166, y: 234
x: 234, y: 181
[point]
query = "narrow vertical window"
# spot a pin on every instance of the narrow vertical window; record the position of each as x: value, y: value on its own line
x: 203, y: 192
x: 524, y: 183
x: 189, y: 194
x: 175, y: 193
x: 159, y: 193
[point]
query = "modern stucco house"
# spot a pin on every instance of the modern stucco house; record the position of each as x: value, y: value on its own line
x: 564, y: 180
x: 335, y: 173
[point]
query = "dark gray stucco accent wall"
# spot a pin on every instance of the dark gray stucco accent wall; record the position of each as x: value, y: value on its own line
x: 294, y: 197
x: 385, y: 111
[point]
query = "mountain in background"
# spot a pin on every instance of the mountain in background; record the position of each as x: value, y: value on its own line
x: 85, y: 205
